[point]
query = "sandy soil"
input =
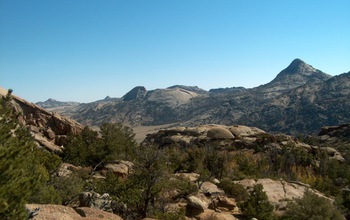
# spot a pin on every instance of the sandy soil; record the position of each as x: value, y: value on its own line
x: 142, y: 131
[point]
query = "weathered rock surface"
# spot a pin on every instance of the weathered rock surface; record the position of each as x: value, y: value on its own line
x: 212, y: 215
x: 50, y: 130
x: 211, y: 189
x: 219, y: 133
x: 59, y: 212
x: 279, y: 192
x: 197, y: 203
x: 245, y: 131
x: 189, y: 136
x: 223, y: 203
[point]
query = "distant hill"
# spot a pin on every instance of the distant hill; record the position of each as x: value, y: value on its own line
x: 227, y: 90
x: 52, y: 103
x: 300, y: 99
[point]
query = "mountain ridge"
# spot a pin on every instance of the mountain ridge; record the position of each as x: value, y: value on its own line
x: 190, y: 105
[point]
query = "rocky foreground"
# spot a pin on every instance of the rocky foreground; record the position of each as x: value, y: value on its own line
x: 59, y: 212
x: 210, y: 202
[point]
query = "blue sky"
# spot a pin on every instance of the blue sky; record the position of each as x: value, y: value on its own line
x: 83, y: 50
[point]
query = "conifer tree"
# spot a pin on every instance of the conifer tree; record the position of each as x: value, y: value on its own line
x: 22, y: 173
x: 257, y: 205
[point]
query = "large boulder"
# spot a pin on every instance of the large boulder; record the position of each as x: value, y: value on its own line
x: 197, y: 203
x: 223, y: 203
x: 210, y: 189
x: 219, y: 133
x: 333, y: 153
x: 243, y: 131
x: 121, y: 168
x: 212, y: 215
x: 59, y: 212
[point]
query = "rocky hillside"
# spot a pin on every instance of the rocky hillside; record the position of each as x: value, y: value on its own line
x: 301, y: 99
x: 253, y: 144
x: 306, y: 108
x: 49, y: 129
x: 235, y: 137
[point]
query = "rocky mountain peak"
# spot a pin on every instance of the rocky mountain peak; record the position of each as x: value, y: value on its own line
x: 297, y: 64
x: 298, y: 73
x: 135, y: 93
x: 51, y: 100
x: 107, y: 98
x: 299, y: 67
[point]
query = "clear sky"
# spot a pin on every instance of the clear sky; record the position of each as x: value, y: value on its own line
x: 84, y: 50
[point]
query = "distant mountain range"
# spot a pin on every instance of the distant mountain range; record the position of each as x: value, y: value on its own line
x: 301, y: 99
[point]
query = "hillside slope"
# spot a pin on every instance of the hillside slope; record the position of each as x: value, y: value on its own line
x: 49, y: 129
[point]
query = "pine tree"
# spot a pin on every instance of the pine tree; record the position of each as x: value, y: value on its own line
x: 257, y: 205
x: 22, y: 172
x: 91, y: 148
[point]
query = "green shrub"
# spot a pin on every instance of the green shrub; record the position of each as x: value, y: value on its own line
x: 236, y: 191
x: 312, y: 207
x: 183, y: 186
